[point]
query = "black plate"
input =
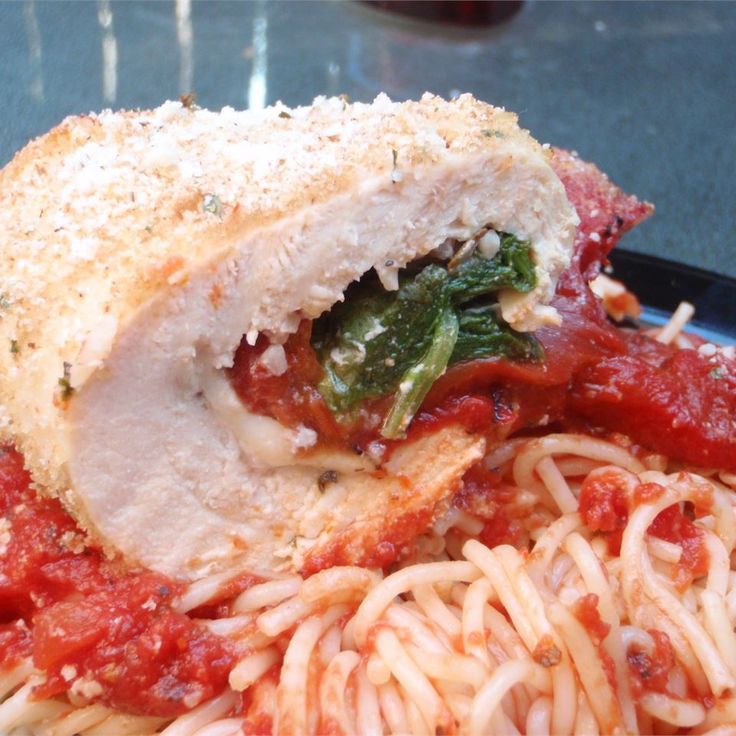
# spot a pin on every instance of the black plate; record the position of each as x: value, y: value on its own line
x: 661, y: 285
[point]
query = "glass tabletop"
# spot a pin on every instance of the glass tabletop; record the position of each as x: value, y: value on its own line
x: 645, y: 90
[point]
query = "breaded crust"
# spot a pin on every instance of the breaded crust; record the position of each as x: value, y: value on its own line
x: 110, y: 220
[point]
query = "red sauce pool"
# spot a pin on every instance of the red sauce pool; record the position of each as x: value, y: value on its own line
x: 79, y: 614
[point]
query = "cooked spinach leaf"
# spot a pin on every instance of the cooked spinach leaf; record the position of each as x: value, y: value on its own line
x: 511, y: 268
x: 368, y: 342
x: 417, y: 381
x: 378, y: 343
x: 482, y: 334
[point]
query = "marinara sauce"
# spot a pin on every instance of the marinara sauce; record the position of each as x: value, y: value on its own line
x: 104, y: 632
x: 586, y: 611
x: 605, y: 507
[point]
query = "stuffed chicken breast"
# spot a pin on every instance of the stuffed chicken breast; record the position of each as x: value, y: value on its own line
x: 219, y: 327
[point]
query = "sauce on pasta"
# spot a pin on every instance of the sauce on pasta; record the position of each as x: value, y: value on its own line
x: 84, y: 620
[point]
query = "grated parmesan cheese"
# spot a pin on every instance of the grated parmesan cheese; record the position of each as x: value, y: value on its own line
x: 489, y: 244
x: 68, y: 672
x: 86, y: 688
x: 273, y: 360
x: 5, y: 527
x: 305, y: 437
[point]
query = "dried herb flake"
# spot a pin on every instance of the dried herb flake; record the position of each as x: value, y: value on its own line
x: 329, y: 476
x: 65, y: 383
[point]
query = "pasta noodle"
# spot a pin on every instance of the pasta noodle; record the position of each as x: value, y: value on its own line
x: 491, y: 642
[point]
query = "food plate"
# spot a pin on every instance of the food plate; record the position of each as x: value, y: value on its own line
x: 661, y: 285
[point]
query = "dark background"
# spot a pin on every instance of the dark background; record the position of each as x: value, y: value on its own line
x: 646, y: 90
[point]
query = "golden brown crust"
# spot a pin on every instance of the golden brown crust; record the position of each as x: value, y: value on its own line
x: 107, y: 210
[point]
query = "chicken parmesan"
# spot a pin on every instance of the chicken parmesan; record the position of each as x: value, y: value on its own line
x: 142, y: 249
x: 325, y: 420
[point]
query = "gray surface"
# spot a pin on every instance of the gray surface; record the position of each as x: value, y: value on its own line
x: 648, y: 91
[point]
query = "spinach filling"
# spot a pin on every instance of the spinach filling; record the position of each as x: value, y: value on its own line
x: 379, y: 342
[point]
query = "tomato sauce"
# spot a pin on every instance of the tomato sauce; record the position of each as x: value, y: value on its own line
x: 603, y: 504
x: 259, y: 702
x: 472, y: 412
x: 546, y: 652
x: 483, y: 495
x: 650, y: 671
x: 673, y: 526
x: 16, y: 643
x: 291, y: 398
x: 647, y: 493
x: 586, y: 611
x: 605, y: 507
x: 683, y: 407
x: 350, y: 547
x: 85, y: 618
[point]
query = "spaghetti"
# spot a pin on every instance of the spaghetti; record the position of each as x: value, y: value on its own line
x: 594, y: 621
